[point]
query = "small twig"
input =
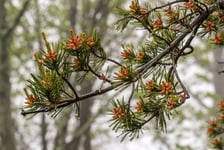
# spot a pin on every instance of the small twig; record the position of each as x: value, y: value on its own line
x: 108, y: 59
x: 113, y: 61
x: 66, y: 93
x: 97, y: 75
x: 182, y: 86
x: 221, y: 71
x: 68, y: 83
x: 220, y: 62
x: 130, y: 97
x: 150, y: 118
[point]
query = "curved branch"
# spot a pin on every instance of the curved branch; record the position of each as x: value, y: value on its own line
x: 198, y: 20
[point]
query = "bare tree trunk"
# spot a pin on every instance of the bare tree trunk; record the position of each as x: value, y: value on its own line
x: 85, y: 114
x: 43, y: 125
x: 43, y: 132
x: 73, y: 13
x: 62, y: 127
x: 83, y: 141
x: 7, y: 125
x: 7, y: 140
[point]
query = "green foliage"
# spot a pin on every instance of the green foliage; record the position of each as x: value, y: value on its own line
x: 215, y: 128
x: 150, y: 70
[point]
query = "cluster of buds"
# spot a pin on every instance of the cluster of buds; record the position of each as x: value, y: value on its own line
x: 220, y: 16
x: 139, y: 107
x: 150, y: 85
x: 118, y: 113
x: 140, y: 56
x: 123, y: 75
x: 171, y: 14
x: 128, y: 54
x: 30, y: 100
x: 209, y: 2
x: 217, y: 143
x: 158, y: 23
x: 219, y: 39
x: 76, y: 42
x: 76, y: 63
x: 191, y: 5
x: 221, y: 106
x: 50, y: 56
x: 215, y: 128
x: 166, y: 88
x: 136, y: 8
x: 209, y: 26
x: 171, y: 104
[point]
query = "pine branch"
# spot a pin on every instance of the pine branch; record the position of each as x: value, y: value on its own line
x: 151, y: 69
x: 69, y: 101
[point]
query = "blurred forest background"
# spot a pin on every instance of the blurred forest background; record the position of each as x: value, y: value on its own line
x: 21, y: 24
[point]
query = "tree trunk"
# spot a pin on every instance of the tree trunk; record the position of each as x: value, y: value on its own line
x: 7, y: 140
x: 83, y: 139
x: 43, y: 132
x: 7, y: 125
x: 43, y: 125
x: 62, y: 128
x: 219, y: 78
x: 73, y: 13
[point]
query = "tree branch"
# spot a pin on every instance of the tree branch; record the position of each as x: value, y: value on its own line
x: 198, y: 20
x: 192, y: 28
x: 17, y: 19
x: 67, y: 102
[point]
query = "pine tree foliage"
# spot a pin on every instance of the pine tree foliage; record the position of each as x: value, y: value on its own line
x: 149, y: 70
